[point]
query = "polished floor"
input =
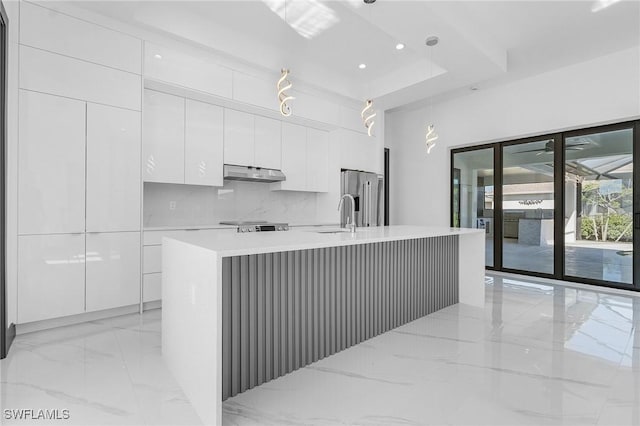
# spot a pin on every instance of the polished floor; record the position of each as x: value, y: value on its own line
x: 536, y: 354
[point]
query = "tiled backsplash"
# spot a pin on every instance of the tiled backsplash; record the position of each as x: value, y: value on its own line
x: 192, y: 205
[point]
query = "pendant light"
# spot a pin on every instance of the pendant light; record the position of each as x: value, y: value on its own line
x: 284, y: 84
x: 367, y: 116
x: 368, y: 112
x: 431, y: 136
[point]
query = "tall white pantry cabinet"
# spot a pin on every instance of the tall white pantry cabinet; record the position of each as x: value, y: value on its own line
x: 79, y: 181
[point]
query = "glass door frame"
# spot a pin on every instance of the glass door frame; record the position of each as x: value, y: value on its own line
x: 497, y: 230
x: 635, y: 126
x: 557, y: 197
x: 559, y: 201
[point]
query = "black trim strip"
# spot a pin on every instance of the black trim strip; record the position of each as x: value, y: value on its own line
x: 6, y: 336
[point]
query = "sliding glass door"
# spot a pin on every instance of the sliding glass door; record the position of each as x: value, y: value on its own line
x: 561, y: 206
x: 528, y: 206
x: 598, y: 203
x: 472, y: 194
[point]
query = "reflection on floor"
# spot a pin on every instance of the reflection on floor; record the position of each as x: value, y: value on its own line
x: 536, y: 354
x: 600, y: 261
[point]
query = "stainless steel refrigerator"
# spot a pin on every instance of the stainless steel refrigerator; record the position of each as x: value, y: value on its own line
x: 367, y: 190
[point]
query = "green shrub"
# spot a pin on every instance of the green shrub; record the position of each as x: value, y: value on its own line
x: 619, y: 226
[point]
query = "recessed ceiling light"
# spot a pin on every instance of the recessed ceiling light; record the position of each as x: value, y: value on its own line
x: 157, y: 56
x: 362, y: 66
x: 474, y: 88
x: 399, y: 46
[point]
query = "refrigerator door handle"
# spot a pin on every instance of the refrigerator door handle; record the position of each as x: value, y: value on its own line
x: 363, y: 209
x: 370, y: 198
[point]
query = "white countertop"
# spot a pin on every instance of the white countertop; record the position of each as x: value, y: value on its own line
x: 234, y: 244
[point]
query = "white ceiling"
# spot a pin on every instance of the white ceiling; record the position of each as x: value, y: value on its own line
x: 481, y: 42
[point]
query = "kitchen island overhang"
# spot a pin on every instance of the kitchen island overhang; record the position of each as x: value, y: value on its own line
x: 242, y: 309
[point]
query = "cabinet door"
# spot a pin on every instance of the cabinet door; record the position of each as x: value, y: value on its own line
x: 267, y: 143
x: 294, y: 157
x: 113, y: 169
x: 152, y: 287
x: 113, y: 270
x: 317, y: 160
x: 238, y: 138
x: 50, y: 276
x: 203, y: 144
x: 163, y: 145
x: 51, y: 175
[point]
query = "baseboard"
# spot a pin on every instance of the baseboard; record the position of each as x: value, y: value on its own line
x: 155, y: 304
x: 30, y: 327
x: 11, y: 334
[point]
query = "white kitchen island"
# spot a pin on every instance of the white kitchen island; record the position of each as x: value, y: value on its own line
x: 242, y: 309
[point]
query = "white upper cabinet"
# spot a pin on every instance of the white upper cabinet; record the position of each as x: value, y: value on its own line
x: 51, y: 171
x: 294, y: 157
x: 203, y: 144
x: 50, y: 276
x: 45, y: 72
x: 59, y: 33
x: 305, y: 159
x: 359, y: 151
x: 251, y: 140
x: 113, y: 169
x: 267, y: 143
x: 163, y: 152
x: 190, y: 69
x: 113, y: 270
x: 238, y: 137
x: 317, y: 160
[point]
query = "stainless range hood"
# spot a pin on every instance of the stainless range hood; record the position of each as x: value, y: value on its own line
x: 252, y: 174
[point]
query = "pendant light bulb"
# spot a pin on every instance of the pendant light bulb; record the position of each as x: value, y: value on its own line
x: 283, y: 85
x: 367, y: 116
x: 430, y: 137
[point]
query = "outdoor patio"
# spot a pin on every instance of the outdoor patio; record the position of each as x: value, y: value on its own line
x: 587, y: 259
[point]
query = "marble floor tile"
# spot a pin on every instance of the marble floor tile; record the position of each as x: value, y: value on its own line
x: 536, y: 354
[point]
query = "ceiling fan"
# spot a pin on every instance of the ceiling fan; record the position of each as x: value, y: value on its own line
x: 548, y: 148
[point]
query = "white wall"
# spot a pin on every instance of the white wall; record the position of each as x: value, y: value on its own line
x: 606, y: 89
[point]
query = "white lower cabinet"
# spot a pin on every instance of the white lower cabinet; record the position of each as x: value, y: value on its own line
x: 113, y: 270
x: 50, y: 276
x: 152, y: 287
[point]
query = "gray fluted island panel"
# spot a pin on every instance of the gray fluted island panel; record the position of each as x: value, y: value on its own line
x: 243, y: 309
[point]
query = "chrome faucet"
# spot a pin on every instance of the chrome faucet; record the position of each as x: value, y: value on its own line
x: 351, y: 224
